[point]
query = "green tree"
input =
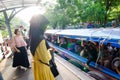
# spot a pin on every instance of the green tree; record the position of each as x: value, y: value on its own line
x: 75, y: 11
x: 15, y: 23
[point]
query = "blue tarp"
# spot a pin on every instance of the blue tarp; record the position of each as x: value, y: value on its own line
x: 111, y: 35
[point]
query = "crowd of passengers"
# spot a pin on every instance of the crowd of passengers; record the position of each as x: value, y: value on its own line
x: 104, y: 54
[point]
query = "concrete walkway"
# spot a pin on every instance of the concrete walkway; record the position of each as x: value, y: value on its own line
x: 10, y: 73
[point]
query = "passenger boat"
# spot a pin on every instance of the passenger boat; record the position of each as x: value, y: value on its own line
x: 101, y: 35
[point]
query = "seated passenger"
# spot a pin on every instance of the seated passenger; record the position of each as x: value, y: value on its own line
x: 84, y: 53
x: 63, y: 43
x: 106, y: 58
x: 49, y: 38
x: 116, y: 64
x: 71, y: 45
x: 83, y: 43
x: 110, y: 48
x: 92, y: 52
x: 97, y: 46
x: 77, y: 48
x: 115, y: 52
x: 54, y: 40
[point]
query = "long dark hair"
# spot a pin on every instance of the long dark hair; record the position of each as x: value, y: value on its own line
x: 15, y: 31
x: 38, y: 24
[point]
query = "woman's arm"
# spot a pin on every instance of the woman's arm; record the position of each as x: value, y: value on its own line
x: 16, y: 49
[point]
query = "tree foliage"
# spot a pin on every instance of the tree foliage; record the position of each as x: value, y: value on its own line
x: 73, y: 12
x: 15, y: 23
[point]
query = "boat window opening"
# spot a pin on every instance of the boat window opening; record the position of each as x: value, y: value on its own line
x: 89, y: 50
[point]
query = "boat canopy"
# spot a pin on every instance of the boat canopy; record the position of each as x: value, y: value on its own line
x: 108, y: 35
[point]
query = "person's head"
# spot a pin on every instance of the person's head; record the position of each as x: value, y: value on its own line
x: 25, y: 30
x: 97, y: 43
x: 105, y: 49
x: 17, y: 32
x: 62, y: 40
x: 108, y: 44
x: 21, y: 27
x: 39, y: 23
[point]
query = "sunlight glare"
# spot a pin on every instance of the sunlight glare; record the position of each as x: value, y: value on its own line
x: 27, y: 13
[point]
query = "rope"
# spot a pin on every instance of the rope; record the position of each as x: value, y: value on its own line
x: 101, y: 42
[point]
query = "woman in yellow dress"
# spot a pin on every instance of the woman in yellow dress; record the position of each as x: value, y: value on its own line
x: 41, y: 55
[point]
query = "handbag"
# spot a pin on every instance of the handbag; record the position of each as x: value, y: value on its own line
x: 53, y: 68
x: 53, y: 65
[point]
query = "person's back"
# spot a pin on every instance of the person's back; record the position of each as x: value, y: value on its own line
x: 41, y: 56
x: 19, y: 41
